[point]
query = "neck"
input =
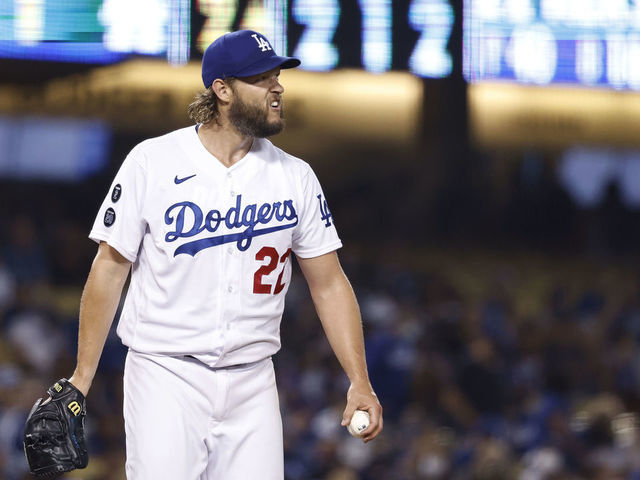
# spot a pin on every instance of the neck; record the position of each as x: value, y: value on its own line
x: 224, y: 142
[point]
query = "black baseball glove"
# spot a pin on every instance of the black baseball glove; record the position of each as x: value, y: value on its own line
x: 54, y: 432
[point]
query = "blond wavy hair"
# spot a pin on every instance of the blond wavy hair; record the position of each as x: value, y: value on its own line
x: 204, y: 108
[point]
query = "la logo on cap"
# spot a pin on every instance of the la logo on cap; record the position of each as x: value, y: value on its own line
x: 262, y: 43
x: 235, y: 55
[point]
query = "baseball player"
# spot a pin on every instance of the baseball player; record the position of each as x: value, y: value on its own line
x: 207, y: 219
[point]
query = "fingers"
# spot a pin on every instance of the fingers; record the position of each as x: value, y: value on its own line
x: 375, y: 423
x: 348, y: 413
x: 367, y: 401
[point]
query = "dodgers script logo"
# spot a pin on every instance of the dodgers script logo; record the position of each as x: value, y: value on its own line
x: 246, y: 217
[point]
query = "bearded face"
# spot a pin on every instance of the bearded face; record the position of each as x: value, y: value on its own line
x: 255, y: 118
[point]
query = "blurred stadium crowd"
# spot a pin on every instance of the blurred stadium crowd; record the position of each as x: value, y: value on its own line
x: 490, y: 364
x: 501, y: 319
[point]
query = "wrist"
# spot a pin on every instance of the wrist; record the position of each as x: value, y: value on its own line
x: 360, y: 383
x: 81, y: 381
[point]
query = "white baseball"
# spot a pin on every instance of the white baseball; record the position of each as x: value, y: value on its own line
x: 359, y: 422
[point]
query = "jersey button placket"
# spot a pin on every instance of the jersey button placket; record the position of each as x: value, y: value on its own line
x: 231, y: 289
x: 232, y: 191
x: 233, y: 264
x: 226, y: 278
x: 232, y: 184
x: 233, y: 269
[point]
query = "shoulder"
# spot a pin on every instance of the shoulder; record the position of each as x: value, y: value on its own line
x: 289, y: 162
x: 159, y: 147
x: 168, y: 140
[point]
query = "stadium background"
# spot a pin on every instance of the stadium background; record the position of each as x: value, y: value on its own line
x: 481, y: 163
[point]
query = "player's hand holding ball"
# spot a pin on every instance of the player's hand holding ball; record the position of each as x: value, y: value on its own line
x: 359, y: 423
x: 363, y: 414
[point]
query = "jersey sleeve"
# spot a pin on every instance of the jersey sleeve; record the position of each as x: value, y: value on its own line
x: 316, y: 232
x: 120, y: 221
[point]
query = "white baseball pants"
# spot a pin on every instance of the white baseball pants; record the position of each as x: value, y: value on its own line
x: 187, y: 421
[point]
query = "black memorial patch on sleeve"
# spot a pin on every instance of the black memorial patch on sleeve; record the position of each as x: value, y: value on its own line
x: 116, y: 193
x: 109, y: 217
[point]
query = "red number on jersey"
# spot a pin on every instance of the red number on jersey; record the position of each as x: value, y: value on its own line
x: 272, y: 254
x: 279, y: 284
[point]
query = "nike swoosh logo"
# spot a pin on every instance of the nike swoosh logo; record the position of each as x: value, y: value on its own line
x: 178, y: 181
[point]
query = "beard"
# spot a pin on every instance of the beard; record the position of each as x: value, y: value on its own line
x: 252, y: 119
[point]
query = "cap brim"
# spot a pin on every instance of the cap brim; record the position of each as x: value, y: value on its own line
x: 267, y: 64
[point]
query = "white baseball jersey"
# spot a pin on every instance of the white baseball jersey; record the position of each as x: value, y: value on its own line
x: 211, y: 245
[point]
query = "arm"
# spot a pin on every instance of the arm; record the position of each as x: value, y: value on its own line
x: 338, y: 310
x: 100, y: 300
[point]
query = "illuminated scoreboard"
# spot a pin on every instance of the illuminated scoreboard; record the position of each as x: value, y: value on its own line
x: 94, y: 31
x: 584, y: 42
x: 404, y: 35
x: 376, y: 35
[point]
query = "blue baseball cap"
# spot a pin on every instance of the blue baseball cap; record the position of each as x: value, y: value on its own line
x: 241, y: 54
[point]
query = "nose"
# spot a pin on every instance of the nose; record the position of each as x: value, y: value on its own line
x: 277, y: 86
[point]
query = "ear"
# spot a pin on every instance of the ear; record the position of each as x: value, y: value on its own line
x: 222, y: 90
